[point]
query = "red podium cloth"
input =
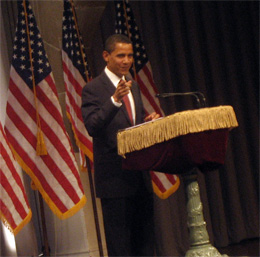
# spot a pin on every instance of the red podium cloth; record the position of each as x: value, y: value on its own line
x: 205, y: 150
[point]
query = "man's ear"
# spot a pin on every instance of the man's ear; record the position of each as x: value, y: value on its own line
x: 105, y: 55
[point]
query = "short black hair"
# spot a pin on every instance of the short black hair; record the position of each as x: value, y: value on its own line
x: 113, y: 39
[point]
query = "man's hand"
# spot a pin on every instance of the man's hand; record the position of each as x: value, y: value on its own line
x: 152, y: 116
x: 122, y: 89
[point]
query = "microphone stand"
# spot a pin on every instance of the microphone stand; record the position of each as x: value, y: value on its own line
x: 200, y: 98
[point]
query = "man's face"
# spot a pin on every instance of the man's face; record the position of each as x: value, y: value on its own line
x: 120, y: 60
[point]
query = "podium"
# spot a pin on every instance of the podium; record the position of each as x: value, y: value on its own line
x: 179, y: 144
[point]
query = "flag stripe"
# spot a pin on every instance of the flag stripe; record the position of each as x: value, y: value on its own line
x: 75, y: 66
x: 7, y: 214
x: 145, y: 75
x: 36, y: 172
x: 9, y: 166
x: 78, y: 128
x: 73, y: 107
x: 13, y: 190
x: 12, y: 177
x: 9, y: 189
x: 77, y: 123
x: 59, y: 145
x: 14, y: 207
x: 45, y: 162
x: 29, y: 109
x: 27, y: 133
x: 73, y: 92
x: 148, y: 72
x: 33, y: 107
x: 165, y: 179
x: 171, y: 178
x: 49, y: 100
x: 147, y: 95
x: 72, y: 74
x: 53, y: 137
x: 158, y: 182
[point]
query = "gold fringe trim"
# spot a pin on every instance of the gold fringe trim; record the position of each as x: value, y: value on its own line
x: 168, y: 192
x: 178, y: 124
x: 20, y: 226
x: 33, y: 186
x: 45, y: 196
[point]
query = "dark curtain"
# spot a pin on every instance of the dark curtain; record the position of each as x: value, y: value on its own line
x: 211, y: 47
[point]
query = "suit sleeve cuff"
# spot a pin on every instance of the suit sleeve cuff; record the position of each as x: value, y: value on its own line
x: 115, y: 103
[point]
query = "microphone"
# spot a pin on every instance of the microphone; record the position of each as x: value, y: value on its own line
x: 197, y: 96
x: 202, y: 96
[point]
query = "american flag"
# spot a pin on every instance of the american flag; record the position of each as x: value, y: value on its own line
x: 32, y: 107
x: 76, y: 74
x: 164, y: 184
x: 15, y: 212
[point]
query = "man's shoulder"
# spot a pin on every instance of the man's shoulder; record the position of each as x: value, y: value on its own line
x: 128, y: 77
x: 101, y: 76
x: 97, y: 80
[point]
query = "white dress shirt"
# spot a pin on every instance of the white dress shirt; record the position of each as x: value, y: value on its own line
x: 115, y: 80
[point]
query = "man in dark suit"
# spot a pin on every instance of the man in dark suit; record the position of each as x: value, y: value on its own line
x: 126, y: 196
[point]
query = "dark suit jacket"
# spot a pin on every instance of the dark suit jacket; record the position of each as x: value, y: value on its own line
x: 102, y: 120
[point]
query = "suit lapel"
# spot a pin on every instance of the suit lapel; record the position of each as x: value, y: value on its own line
x: 108, y: 85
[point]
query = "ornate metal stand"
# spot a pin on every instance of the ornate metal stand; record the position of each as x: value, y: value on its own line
x: 200, y: 245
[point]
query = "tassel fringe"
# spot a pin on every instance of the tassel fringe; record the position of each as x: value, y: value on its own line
x: 178, y: 124
x: 41, y: 147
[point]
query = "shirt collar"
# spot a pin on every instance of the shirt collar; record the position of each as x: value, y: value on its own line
x: 113, y: 77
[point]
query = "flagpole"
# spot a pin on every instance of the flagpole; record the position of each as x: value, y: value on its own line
x: 46, y: 251
x: 91, y: 183
x: 80, y: 44
x: 128, y: 33
x: 94, y: 205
